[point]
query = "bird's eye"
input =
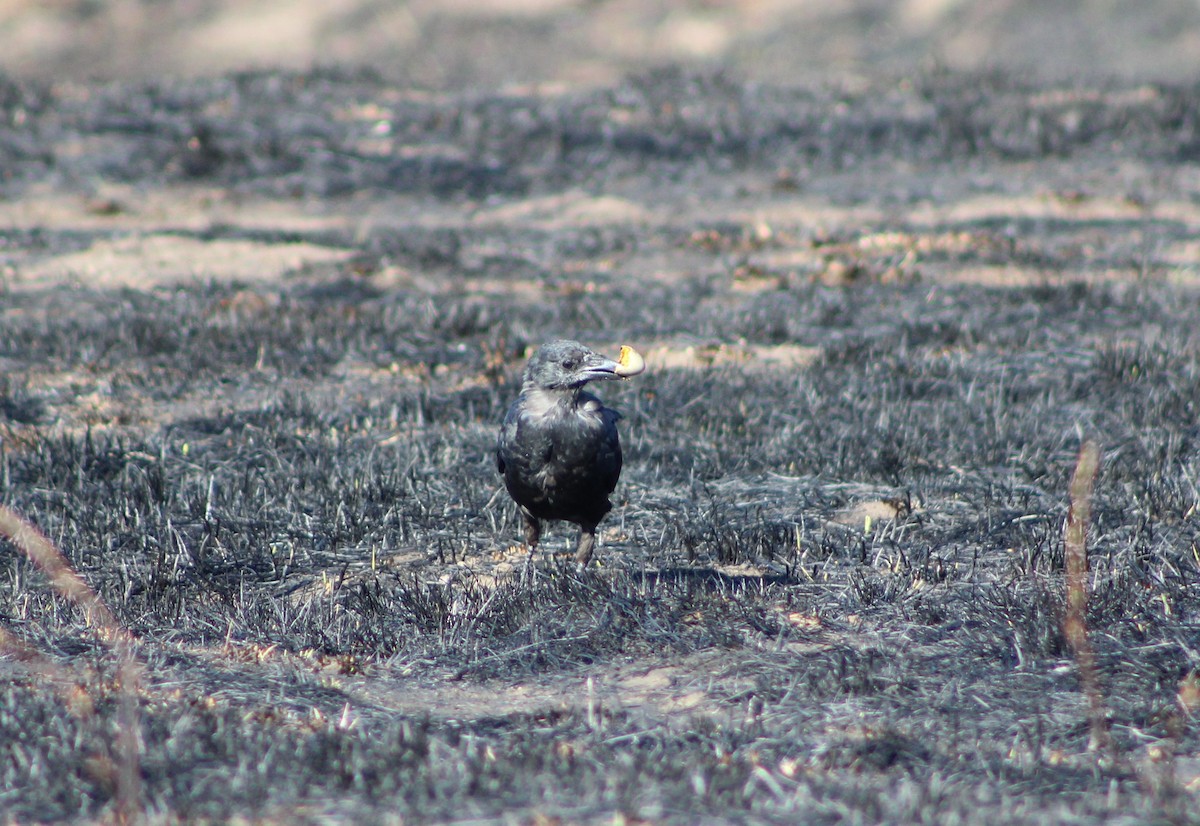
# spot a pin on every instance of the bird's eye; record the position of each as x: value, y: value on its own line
x: 570, y: 364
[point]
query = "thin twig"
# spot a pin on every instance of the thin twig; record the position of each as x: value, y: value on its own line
x: 63, y: 578
x: 1075, y: 619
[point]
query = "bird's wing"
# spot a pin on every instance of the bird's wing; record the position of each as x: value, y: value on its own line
x: 610, y: 455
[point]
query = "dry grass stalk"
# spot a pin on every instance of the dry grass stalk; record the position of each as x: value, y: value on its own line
x: 63, y: 578
x: 1075, y: 620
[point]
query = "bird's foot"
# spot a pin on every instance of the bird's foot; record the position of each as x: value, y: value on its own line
x: 529, y: 571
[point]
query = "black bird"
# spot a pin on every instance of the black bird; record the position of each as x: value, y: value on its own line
x: 558, y: 448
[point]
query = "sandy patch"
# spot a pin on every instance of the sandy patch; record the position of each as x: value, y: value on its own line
x: 667, y: 355
x: 143, y: 261
x: 123, y: 208
x: 571, y: 208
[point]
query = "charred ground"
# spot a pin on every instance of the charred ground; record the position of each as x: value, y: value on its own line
x: 879, y: 324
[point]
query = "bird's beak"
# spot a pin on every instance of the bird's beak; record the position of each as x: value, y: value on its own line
x: 630, y: 363
x: 599, y: 368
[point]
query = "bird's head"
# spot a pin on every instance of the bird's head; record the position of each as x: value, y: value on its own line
x: 568, y: 365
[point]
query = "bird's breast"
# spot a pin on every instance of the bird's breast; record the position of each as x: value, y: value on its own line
x: 560, y: 454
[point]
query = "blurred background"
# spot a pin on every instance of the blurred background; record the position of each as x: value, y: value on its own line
x: 489, y: 44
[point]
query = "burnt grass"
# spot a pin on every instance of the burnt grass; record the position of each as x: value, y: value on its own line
x: 327, y: 520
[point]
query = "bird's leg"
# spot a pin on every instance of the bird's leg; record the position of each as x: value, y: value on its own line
x: 533, y: 532
x: 533, y: 529
x: 587, y: 542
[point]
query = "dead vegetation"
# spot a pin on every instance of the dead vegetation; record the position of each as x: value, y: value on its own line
x: 835, y: 581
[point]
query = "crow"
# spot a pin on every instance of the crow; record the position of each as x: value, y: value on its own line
x: 558, y: 448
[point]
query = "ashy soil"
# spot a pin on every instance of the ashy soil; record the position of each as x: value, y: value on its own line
x: 257, y: 333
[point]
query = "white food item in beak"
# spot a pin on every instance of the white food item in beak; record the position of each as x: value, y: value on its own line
x: 630, y: 362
